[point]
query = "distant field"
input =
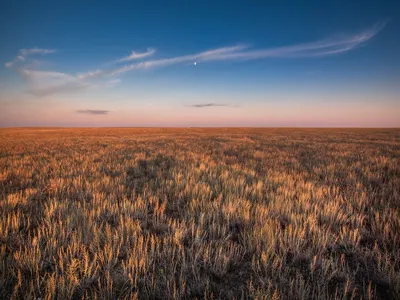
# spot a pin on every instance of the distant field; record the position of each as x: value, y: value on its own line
x: 207, y: 213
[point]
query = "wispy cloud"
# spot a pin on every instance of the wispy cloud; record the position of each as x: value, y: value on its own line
x: 112, y: 82
x: 89, y: 74
x: 36, y: 50
x: 93, y: 112
x: 42, y: 83
x: 210, y: 105
x: 9, y: 64
x: 137, y: 55
x: 318, y: 48
x: 202, y: 56
x: 23, y: 53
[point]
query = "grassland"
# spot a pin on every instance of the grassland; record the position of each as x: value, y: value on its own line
x: 206, y: 213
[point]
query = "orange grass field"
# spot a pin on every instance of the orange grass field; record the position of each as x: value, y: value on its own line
x: 199, y: 213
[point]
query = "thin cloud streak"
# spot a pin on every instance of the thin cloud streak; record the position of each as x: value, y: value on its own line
x: 26, y: 52
x: 112, y: 82
x: 89, y: 74
x: 201, y: 105
x: 202, y: 56
x: 319, y: 48
x: 93, y: 112
x: 314, y: 49
x: 135, y: 55
x: 42, y: 83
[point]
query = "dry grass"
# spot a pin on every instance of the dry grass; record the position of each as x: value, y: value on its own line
x: 206, y: 213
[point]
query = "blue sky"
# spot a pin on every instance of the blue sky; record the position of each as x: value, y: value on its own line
x: 200, y: 63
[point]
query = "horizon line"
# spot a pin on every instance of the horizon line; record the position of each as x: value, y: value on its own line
x: 197, y: 127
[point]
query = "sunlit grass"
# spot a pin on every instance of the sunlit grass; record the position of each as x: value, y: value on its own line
x: 206, y: 213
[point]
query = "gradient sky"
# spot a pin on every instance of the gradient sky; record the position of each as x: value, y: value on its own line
x: 200, y: 63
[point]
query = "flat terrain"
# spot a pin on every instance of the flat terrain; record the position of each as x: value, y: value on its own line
x: 206, y: 213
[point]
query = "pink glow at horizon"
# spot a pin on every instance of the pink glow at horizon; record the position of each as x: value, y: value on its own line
x: 285, y: 114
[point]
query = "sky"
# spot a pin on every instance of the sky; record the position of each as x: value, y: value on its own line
x: 200, y: 63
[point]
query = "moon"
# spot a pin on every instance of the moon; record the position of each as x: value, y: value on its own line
x: 195, y: 63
